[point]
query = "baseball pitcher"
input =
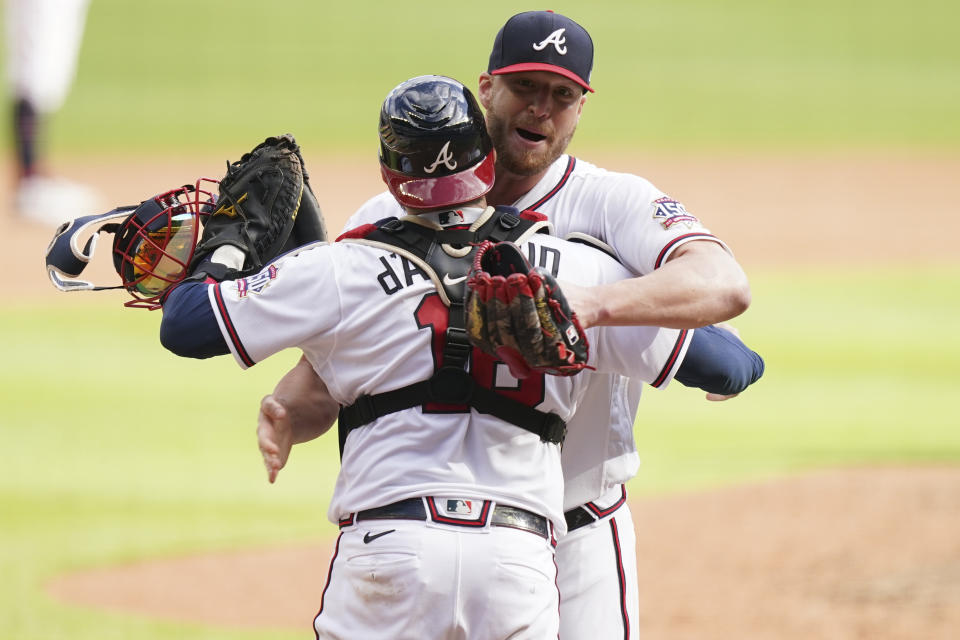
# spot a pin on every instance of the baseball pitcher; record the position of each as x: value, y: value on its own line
x: 534, y: 90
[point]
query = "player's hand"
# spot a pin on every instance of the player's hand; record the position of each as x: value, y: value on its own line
x: 717, y: 397
x: 582, y: 302
x: 274, y: 435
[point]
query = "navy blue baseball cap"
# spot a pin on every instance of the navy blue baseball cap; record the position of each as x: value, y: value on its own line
x: 543, y: 41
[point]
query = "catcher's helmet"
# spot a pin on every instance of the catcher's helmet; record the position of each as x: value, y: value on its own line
x: 153, y: 247
x: 434, y: 147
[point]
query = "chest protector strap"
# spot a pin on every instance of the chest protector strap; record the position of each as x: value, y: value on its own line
x: 450, y: 252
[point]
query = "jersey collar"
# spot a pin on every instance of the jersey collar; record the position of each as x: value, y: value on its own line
x: 553, y: 178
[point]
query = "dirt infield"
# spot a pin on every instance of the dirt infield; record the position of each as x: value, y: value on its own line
x: 833, y: 555
x: 817, y: 209
x: 871, y: 553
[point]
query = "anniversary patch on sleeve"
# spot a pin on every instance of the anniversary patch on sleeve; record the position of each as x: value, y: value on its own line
x: 669, y: 212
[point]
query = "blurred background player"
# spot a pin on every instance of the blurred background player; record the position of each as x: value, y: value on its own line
x: 43, y: 43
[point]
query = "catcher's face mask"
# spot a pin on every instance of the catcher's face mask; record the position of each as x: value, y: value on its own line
x: 153, y: 245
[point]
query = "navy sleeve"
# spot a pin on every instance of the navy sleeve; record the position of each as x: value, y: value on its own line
x: 718, y: 362
x: 189, y: 328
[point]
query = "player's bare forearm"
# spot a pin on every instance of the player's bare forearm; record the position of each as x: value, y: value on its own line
x: 299, y: 410
x: 701, y: 284
x: 305, y: 397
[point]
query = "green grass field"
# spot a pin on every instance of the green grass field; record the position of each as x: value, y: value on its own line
x: 115, y: 453
x: 139, y: 454
x: 858, y: 372
x: 187, y: 74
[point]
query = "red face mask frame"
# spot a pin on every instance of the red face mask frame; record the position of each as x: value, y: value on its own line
x: 154, y: 246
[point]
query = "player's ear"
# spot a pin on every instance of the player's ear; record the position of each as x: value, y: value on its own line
x: 485, y: 89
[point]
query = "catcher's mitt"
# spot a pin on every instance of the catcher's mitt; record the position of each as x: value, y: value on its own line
x: 518, y: 314
x: 265, y: 207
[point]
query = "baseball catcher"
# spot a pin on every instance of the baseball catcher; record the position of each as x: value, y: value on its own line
x: 264, y: 207
x: 518, y: 314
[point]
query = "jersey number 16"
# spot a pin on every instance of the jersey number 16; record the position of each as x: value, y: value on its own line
x: 485, y: 370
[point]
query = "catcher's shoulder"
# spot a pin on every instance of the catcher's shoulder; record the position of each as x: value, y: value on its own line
x: 311, y: 248
x: 575, y: 243
x: 572, y: 258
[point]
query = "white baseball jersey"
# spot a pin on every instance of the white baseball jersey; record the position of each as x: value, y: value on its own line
x: 643, y: 226
x: 370, y: 321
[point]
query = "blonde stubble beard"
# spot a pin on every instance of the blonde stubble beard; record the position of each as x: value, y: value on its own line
x: 527, y: 163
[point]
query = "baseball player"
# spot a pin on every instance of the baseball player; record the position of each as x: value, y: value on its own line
x: 448, y: 514
x: 534, y: 91
x: 43, y: 43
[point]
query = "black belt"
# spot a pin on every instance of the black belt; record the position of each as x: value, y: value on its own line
x: 590, y: 512
x: 578, y: 517
x: 413, y: 509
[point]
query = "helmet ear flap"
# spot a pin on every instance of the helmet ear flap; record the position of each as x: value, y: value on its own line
x: 154, y: 245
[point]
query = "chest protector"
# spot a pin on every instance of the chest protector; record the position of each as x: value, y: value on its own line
x: 450, y: 252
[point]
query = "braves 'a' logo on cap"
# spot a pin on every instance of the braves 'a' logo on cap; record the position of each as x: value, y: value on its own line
x: 445, y: 158
x: 557, y: 39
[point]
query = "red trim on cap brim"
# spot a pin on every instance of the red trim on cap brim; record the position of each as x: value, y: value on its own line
x: 540, y: 66
x: 431, y: 193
